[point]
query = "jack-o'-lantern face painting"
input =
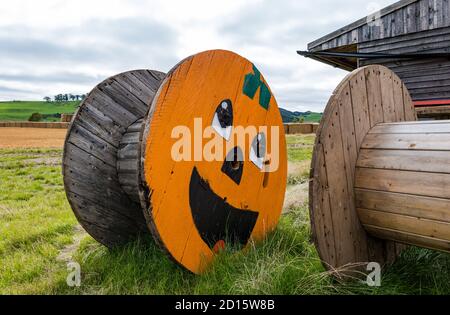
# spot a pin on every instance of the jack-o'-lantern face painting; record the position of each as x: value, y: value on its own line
x: 215, y: 158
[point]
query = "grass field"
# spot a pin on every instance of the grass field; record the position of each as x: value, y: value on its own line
x: 21, y: 111
x: 39, y: 235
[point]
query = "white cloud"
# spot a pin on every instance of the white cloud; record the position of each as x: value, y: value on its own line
x: 53, y: 46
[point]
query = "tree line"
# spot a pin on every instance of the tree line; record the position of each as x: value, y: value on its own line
x: 65, y: 98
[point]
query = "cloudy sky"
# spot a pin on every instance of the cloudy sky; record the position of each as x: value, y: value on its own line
x: 60, y: 46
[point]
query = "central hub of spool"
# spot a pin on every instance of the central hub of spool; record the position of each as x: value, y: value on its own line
x: 402, y: 183
x: 128, y: 160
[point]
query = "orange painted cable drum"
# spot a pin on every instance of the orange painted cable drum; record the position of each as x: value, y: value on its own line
x: 125, y: 173
x: 195, y: 206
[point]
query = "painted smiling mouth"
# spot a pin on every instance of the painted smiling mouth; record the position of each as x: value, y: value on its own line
x: 215, y: 219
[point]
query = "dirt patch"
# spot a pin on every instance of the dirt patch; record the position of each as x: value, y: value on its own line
x: 31, y: 138
x: 67, y: 252
x: 298, y: 168
x: 296, y: 196
x: 48, y: 161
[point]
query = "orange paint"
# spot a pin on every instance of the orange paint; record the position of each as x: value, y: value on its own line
x: 194, y: 89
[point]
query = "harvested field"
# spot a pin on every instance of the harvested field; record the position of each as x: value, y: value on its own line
x: 32, y: 138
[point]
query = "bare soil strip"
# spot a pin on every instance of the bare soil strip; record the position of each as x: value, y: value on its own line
x: 31, y: 138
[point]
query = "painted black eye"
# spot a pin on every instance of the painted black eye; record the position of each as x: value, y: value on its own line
x: 258, y: 150
x: 233, y: 166
x: 223, y: 119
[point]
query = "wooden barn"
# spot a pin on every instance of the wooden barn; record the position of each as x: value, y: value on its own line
x: 411, y: 37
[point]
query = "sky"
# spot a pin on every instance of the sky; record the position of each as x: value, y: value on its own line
x: 60, y: 46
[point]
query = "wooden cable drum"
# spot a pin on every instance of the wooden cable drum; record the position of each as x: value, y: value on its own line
x: 95, y: 179
x: 379, y: 177
x: 125, y: 172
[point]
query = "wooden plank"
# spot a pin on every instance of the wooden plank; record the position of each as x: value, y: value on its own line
x: 106, y: 105
x: 136, y: 87
x: 135, y: 127
x: 432, y: 141
x: 429, y: 86
x: 423, y: 15
x: 152, y: 79
x: 433, y: 110
x: 442, y: 127
x: 418, y: 206
x: 89, y: 142
x: 427, y: 95
x: 127, y: 166
x: 398, y: 99
x: 416, y: 66
x: 409, y: 238
x: 417, y: 122
x: 322, y: 223
x: 338, y: 191
x: 360, y: 23
x: 373, y: 88
x: 119, y: 93
x: 109, y: 195
x: 436, y: 76
x: 405, y: 223
x: 428, y: 70
x: 360, y: 108
x: 356, y: 124
x: 387, y: 96
x: 422, y: 41
x: 446, y: 13
x: 100, y: 125
x: 129, y: 179
x: 442, y: 92
x: 416, y: 183
x: 131, y: 191
x: 406, y: 160
x: 128, y: 151
x: 92, y: 213
x: 130, y: 137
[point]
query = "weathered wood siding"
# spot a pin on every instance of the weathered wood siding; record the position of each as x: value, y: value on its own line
x: 425, y: 78
x: 401, y: 18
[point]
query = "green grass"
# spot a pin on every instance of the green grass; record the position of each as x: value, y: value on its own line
x: 37, y: 225
x: 312, y: 117
x: 21, y: 111
x: 299, y: 147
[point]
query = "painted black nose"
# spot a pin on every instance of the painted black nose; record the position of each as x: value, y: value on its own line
x: 233, y: 166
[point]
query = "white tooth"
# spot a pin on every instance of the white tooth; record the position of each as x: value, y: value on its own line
x: 224, y: 132
x: 259, y: 162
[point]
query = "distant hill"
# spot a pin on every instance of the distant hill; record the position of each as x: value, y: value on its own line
x: 22, y: 110
x: 308, y: 116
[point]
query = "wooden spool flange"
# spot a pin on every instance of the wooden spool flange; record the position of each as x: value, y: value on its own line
x: 120, y: 166
x: 195, y: 206
x: 97, y: 150
x: 368, y: 192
